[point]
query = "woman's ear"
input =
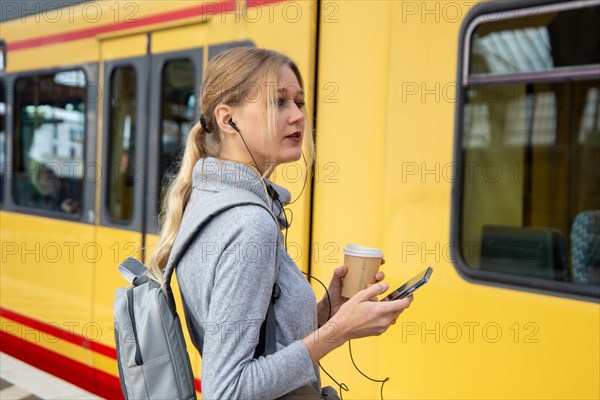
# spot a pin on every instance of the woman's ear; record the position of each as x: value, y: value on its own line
x: 223, y: 113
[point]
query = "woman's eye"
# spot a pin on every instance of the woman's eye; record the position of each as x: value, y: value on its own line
x: 281, y: 102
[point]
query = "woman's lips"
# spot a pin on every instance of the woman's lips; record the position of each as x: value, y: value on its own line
x: 296, y: 137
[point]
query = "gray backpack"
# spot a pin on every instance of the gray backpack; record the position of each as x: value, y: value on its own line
x: 151, y: 352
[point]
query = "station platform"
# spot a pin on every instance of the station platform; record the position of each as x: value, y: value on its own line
x: 21, y: 381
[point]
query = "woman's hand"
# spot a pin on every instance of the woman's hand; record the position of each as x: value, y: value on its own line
x: 360, y: 316
x: 335, y: 293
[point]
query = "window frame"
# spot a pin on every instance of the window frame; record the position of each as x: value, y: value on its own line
x: 161, y: 115
x: 88, y: 193
x: 478, y: 15
x: 508, y: 12
x: 109, y: 141
x: 159, y: 60
x: 141, y: 67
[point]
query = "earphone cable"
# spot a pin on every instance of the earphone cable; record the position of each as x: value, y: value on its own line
x: 249, y: 152
x: 305, y: 178
x: 342, y: 386
x: 383, y: 381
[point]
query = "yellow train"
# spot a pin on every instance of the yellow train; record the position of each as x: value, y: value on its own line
x: 453, y: 134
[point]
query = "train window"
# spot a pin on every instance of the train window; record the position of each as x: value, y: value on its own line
x: 178, y: 103
x: 121, y: 143
x: 3, y: 163
x: 49, y: 141
x: 530, y: 148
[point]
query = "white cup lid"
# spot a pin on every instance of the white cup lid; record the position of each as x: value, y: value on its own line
x: 360, y: 251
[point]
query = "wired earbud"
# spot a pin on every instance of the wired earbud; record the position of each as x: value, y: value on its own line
x: 270, y: 190
x: 234, y: 126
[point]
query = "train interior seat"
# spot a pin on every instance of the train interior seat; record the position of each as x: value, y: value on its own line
x: 525, y: 251
x: 585, y: 247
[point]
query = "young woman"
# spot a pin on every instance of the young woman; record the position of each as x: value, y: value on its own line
x: 253, y: 119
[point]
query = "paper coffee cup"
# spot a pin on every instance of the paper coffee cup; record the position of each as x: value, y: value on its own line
x: 363, y: 263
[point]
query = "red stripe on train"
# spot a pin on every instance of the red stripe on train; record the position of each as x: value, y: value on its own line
x: 84, y: 376
x: 60, y: 333
x: 204, y: 9
x: 65, y: 335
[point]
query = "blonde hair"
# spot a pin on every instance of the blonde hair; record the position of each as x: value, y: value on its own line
x: 230, y: 78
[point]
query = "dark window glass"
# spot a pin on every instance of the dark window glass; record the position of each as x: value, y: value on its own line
x: 540, y: 41
x: 531, y: 150
x: 48, y: 158
x: 121, y: 142
x: 177, y: 116
x: 531, y: 194
x: 2, y: 139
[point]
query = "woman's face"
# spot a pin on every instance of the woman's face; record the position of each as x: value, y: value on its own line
x: 289, y: 126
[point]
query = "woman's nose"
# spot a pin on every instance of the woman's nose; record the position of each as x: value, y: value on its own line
x: 296, y: 114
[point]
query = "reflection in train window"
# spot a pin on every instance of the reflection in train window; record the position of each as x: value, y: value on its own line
x: 531, y: 148
x: 121, y: 143
x: 2, y: 139
x: 538, y: 42
x: 49, y: 141
x: 178, y: 104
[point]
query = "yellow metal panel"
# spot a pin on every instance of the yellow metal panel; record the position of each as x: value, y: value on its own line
x: 72, y: 26
x: 106, y: 364
x: 88, y: 17
x: 116, y: 246
x: 353, y: 89
x: 124, y: 47
x: 472, y: 341
x: 458, y: 339
x: 47, y: 271
x: 53, y: 55
x: 179, y: 38
x: 351, y: 118
x: 206, y: 32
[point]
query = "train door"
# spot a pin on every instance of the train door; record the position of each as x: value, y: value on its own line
x: 176, y: 78
x: 122, y: 130
x: 148, y: 106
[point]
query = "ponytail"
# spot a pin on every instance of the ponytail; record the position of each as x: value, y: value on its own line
x: 176, y: 199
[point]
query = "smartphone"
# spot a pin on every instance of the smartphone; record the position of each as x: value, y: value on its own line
x: 411, y: 285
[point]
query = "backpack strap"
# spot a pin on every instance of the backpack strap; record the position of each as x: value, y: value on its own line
x: 204, y: 212
x: 267, y: 343
x: 194, y: 221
